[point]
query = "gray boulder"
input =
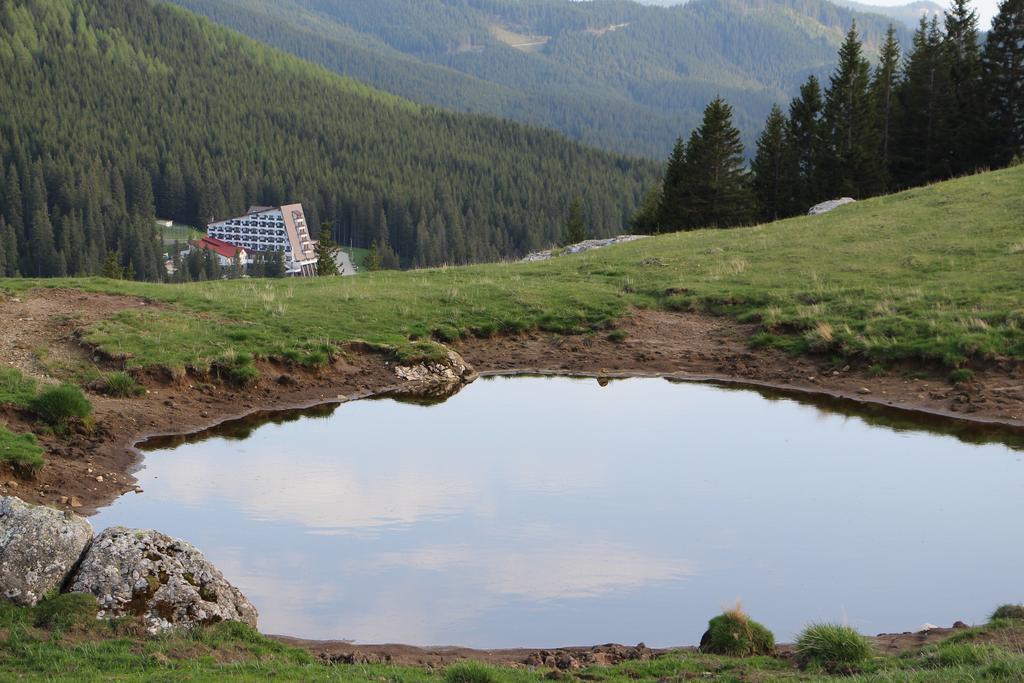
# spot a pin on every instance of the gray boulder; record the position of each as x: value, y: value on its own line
x: 39, y: 546
x: 164, y: 580
x: 831, y: 204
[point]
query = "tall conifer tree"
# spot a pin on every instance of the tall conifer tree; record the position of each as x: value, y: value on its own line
x: 1004, y: 83
x: 924, y: 99
x: 769, y: 168
x: 672, y: 213
x: 804, y: 148
x: 963, y: 55
x: 851, y: 163
x: 715, y: 180
x: 883, y: 90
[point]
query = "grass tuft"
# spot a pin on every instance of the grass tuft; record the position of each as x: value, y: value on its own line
x: 1008, y: 612
x: 21, y: 451
x: 832, y: 647
x: 57, y: 405
x: 961, y: 375
x: 469, y: 672
x: 244, y: 376
x: 15, y: 388
x: 735, y: 634
x: 122, y: 385
x: 66, y: 610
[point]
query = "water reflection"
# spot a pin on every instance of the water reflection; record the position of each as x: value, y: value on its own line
x: 551, y: 511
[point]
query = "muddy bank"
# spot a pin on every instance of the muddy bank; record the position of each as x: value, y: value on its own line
x: 562, y: 658
x: 39, y: 334
x: 694, y: 347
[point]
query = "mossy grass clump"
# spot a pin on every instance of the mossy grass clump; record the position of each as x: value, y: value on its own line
x: 961, y: 375
x: 831, y: 646
x: 57, y: 405
x: 735, y: 634
x: 66, y: 610
x: 21, y: 451
x: 1008, y: 612
x: 469, y: 672
x: 122, y: 385
x: 244, y: 375
x: 618, y: 336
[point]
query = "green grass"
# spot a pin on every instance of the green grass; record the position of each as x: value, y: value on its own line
x: 58, y: 640
x: 736, y: 634
x: 57, y: 404
x: 929, y: 274
x: 1008, y: 612
x: 22, y: 451
x: 834, y: 647
x: 178, y: 232
x: 16, y: 389
x: 122, y: 385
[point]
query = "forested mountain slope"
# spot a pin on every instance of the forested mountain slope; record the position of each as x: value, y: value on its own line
x: 614, y: 73
x: 114, y: 111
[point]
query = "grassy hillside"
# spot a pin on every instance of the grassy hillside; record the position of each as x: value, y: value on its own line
x: 614, y: 74
x: 114, y: 112
x: 934, y: 273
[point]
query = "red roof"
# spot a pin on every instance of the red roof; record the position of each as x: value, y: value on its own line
x: 219, y: 246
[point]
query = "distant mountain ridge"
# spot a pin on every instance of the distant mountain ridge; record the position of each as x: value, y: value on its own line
x: 909, y: 14
x: 116, y: 111
x: 617, y: 74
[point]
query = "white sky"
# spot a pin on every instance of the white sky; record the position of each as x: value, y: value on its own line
x: 986, y: 9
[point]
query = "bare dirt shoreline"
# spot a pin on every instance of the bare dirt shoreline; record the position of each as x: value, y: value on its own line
x: 40, y: 331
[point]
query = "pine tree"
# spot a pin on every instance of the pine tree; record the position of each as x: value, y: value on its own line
x: 112, y: 267
x: 963, y: 55
x: 715, y: 183
x: 40, y: 247
x: 575, y: 224
x: 647, y: 219
x: 1003, y: 66
x: 326, y: 251
x: 768, y: 167
x: 851, y: 162
x: 883, y: 91
x: 805, y: 148
x: 672, y: 212
x: 373, y: 261
x: 922, y: 152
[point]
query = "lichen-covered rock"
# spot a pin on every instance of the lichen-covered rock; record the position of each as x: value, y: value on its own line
x: 39, y: 546
x: 166, y: 581
x: 452, y: 370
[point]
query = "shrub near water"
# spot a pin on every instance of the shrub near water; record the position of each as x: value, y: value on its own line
x: 832, y: 647
x: 735, y: 634
x: 56, y: 405
x: 1008, y: 612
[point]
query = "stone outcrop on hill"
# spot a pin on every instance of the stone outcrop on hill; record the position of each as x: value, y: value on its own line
x: 166, y: 581
x: 39, y: 547
x: 830, y: 205
x: 579, y: 248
